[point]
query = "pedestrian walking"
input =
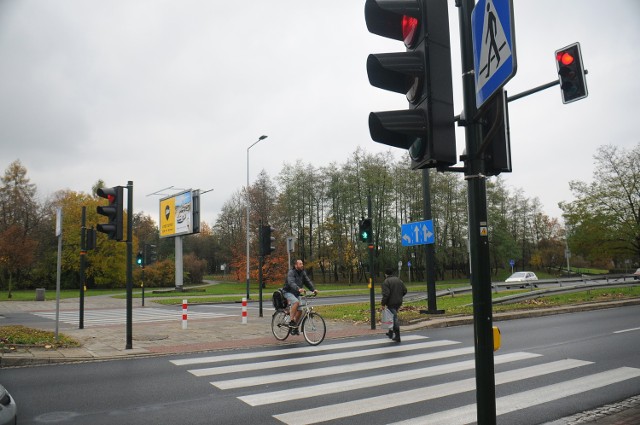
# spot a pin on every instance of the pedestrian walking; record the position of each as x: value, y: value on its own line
x: 393, y: 292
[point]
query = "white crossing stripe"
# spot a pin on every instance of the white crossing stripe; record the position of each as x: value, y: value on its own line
x: 119, y: 316
x: 289, y: 351
x: 511, y: 403
x: 372, y: 381
x: 337, y: 370
x: 390, y: 400
x: 320, y: 358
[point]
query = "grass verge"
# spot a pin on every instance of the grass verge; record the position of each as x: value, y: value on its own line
x: 18, y: 335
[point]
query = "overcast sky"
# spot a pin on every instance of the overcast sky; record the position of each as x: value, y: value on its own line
x: 172, y: 93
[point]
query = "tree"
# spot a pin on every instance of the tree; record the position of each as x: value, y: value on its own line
x: 19, y: 218
x: 17, y: 199
x: 16, y: 252
x: 604, y: 220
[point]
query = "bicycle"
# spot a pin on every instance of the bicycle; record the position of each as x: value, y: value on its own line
x: 311, y: 325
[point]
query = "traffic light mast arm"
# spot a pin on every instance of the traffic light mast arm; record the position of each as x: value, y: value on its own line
x: 536, y: 89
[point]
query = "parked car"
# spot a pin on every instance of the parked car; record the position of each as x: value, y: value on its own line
x: 8, y: 409
x: 636, y: 275
x: 523, y: 277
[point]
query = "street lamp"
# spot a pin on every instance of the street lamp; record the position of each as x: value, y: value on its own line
x: 254, y: 143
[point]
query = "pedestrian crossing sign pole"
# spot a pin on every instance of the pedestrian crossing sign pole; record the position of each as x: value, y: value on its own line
x: 494, y: 49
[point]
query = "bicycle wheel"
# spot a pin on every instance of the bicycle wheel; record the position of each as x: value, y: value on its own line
x: 314, y: 328
x: 280, y: 326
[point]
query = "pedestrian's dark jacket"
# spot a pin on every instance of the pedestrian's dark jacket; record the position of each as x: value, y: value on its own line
x: 393, y: 290
x: 295, y: 280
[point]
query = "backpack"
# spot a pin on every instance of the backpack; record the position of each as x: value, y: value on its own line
x: 279, y: 300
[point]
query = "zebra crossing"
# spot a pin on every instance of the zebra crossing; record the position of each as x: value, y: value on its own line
x: 350, y: 381
x: 106, y: 317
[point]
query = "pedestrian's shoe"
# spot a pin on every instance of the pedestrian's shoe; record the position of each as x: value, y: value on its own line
x: 397, y: 337
x: 390, y: 334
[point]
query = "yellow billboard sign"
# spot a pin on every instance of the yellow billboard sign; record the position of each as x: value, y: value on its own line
x: 177, y: 214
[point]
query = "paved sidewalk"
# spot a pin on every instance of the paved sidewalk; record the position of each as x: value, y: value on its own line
x: 99, y: 343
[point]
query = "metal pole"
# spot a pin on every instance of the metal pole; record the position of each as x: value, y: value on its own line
x: 129, y: 345
x: 432, y: 308
x: 83, y: 257
x: 248, y: 203
x: 478, y: 236
x: 260, y: 264
x: 59, y: 270
x: 179, y: 264
x: 370, y: 245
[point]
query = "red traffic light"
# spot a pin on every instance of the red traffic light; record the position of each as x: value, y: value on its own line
x: 565, y: 58
x: 571, y: 73
x: 409, y: 30
x: 114, y: 212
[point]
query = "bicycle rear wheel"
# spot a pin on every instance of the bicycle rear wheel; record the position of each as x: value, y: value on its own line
x: 280, y: 326
x: 314, y: 328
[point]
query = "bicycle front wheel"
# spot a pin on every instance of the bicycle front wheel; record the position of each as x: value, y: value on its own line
x: 280, y: 326
x: 314, y: 328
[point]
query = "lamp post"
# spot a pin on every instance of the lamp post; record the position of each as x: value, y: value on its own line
x: 248, y: 203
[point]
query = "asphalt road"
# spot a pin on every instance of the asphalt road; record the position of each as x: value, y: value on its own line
x: 592, y: 356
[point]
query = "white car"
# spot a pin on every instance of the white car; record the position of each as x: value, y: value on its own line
x: 8, y: 409
x: 522, y: 277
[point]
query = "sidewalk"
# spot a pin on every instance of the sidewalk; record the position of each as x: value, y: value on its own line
x: 168, y: 338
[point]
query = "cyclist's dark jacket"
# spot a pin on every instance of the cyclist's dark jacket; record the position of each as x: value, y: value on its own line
x: 295, y: 280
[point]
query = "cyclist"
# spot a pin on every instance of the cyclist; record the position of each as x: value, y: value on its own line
x: 297, y: 279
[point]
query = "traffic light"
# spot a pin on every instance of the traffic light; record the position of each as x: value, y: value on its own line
x: 152, y: 253
x: 365, y: 230
x: 266, y: 240
x: 495, y: 131
x: 113, y: 211
x: 422, y: 73
x: 90, y: 239
x: 571, y: 73
x: 140, y: 259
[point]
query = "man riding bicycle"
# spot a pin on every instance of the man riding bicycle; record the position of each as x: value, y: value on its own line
x: 294, y: 286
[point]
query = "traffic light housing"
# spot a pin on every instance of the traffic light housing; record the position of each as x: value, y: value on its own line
x: 266, y: 240
x: 90, y: 241
x: 113, y: 211
x: 496, y: 137
x: 422, y: 73
x: 365, y: 230
x: 571, y: 73
x: 151, y: 252
x: 140, y: 259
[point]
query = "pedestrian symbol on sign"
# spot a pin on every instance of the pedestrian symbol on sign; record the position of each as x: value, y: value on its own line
x: 495, y: 48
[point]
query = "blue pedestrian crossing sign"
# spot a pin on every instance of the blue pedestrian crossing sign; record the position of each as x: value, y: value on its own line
x: 418, y: 233
x: 494, y: 48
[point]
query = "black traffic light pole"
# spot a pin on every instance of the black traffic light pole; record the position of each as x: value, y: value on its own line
x: 129, y: 345
x: 432, y: 307
x: 260, y: 264
x: 83, y: 256
x: 370, y: 245
x: 478, y: 234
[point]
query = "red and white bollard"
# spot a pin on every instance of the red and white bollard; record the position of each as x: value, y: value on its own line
x: 244, y: 311
x: 184, y: 314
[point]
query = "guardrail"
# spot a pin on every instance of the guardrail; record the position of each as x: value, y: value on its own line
x: 570, y: 284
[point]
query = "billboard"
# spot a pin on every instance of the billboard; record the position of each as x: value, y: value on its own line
x: 180, y: 214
